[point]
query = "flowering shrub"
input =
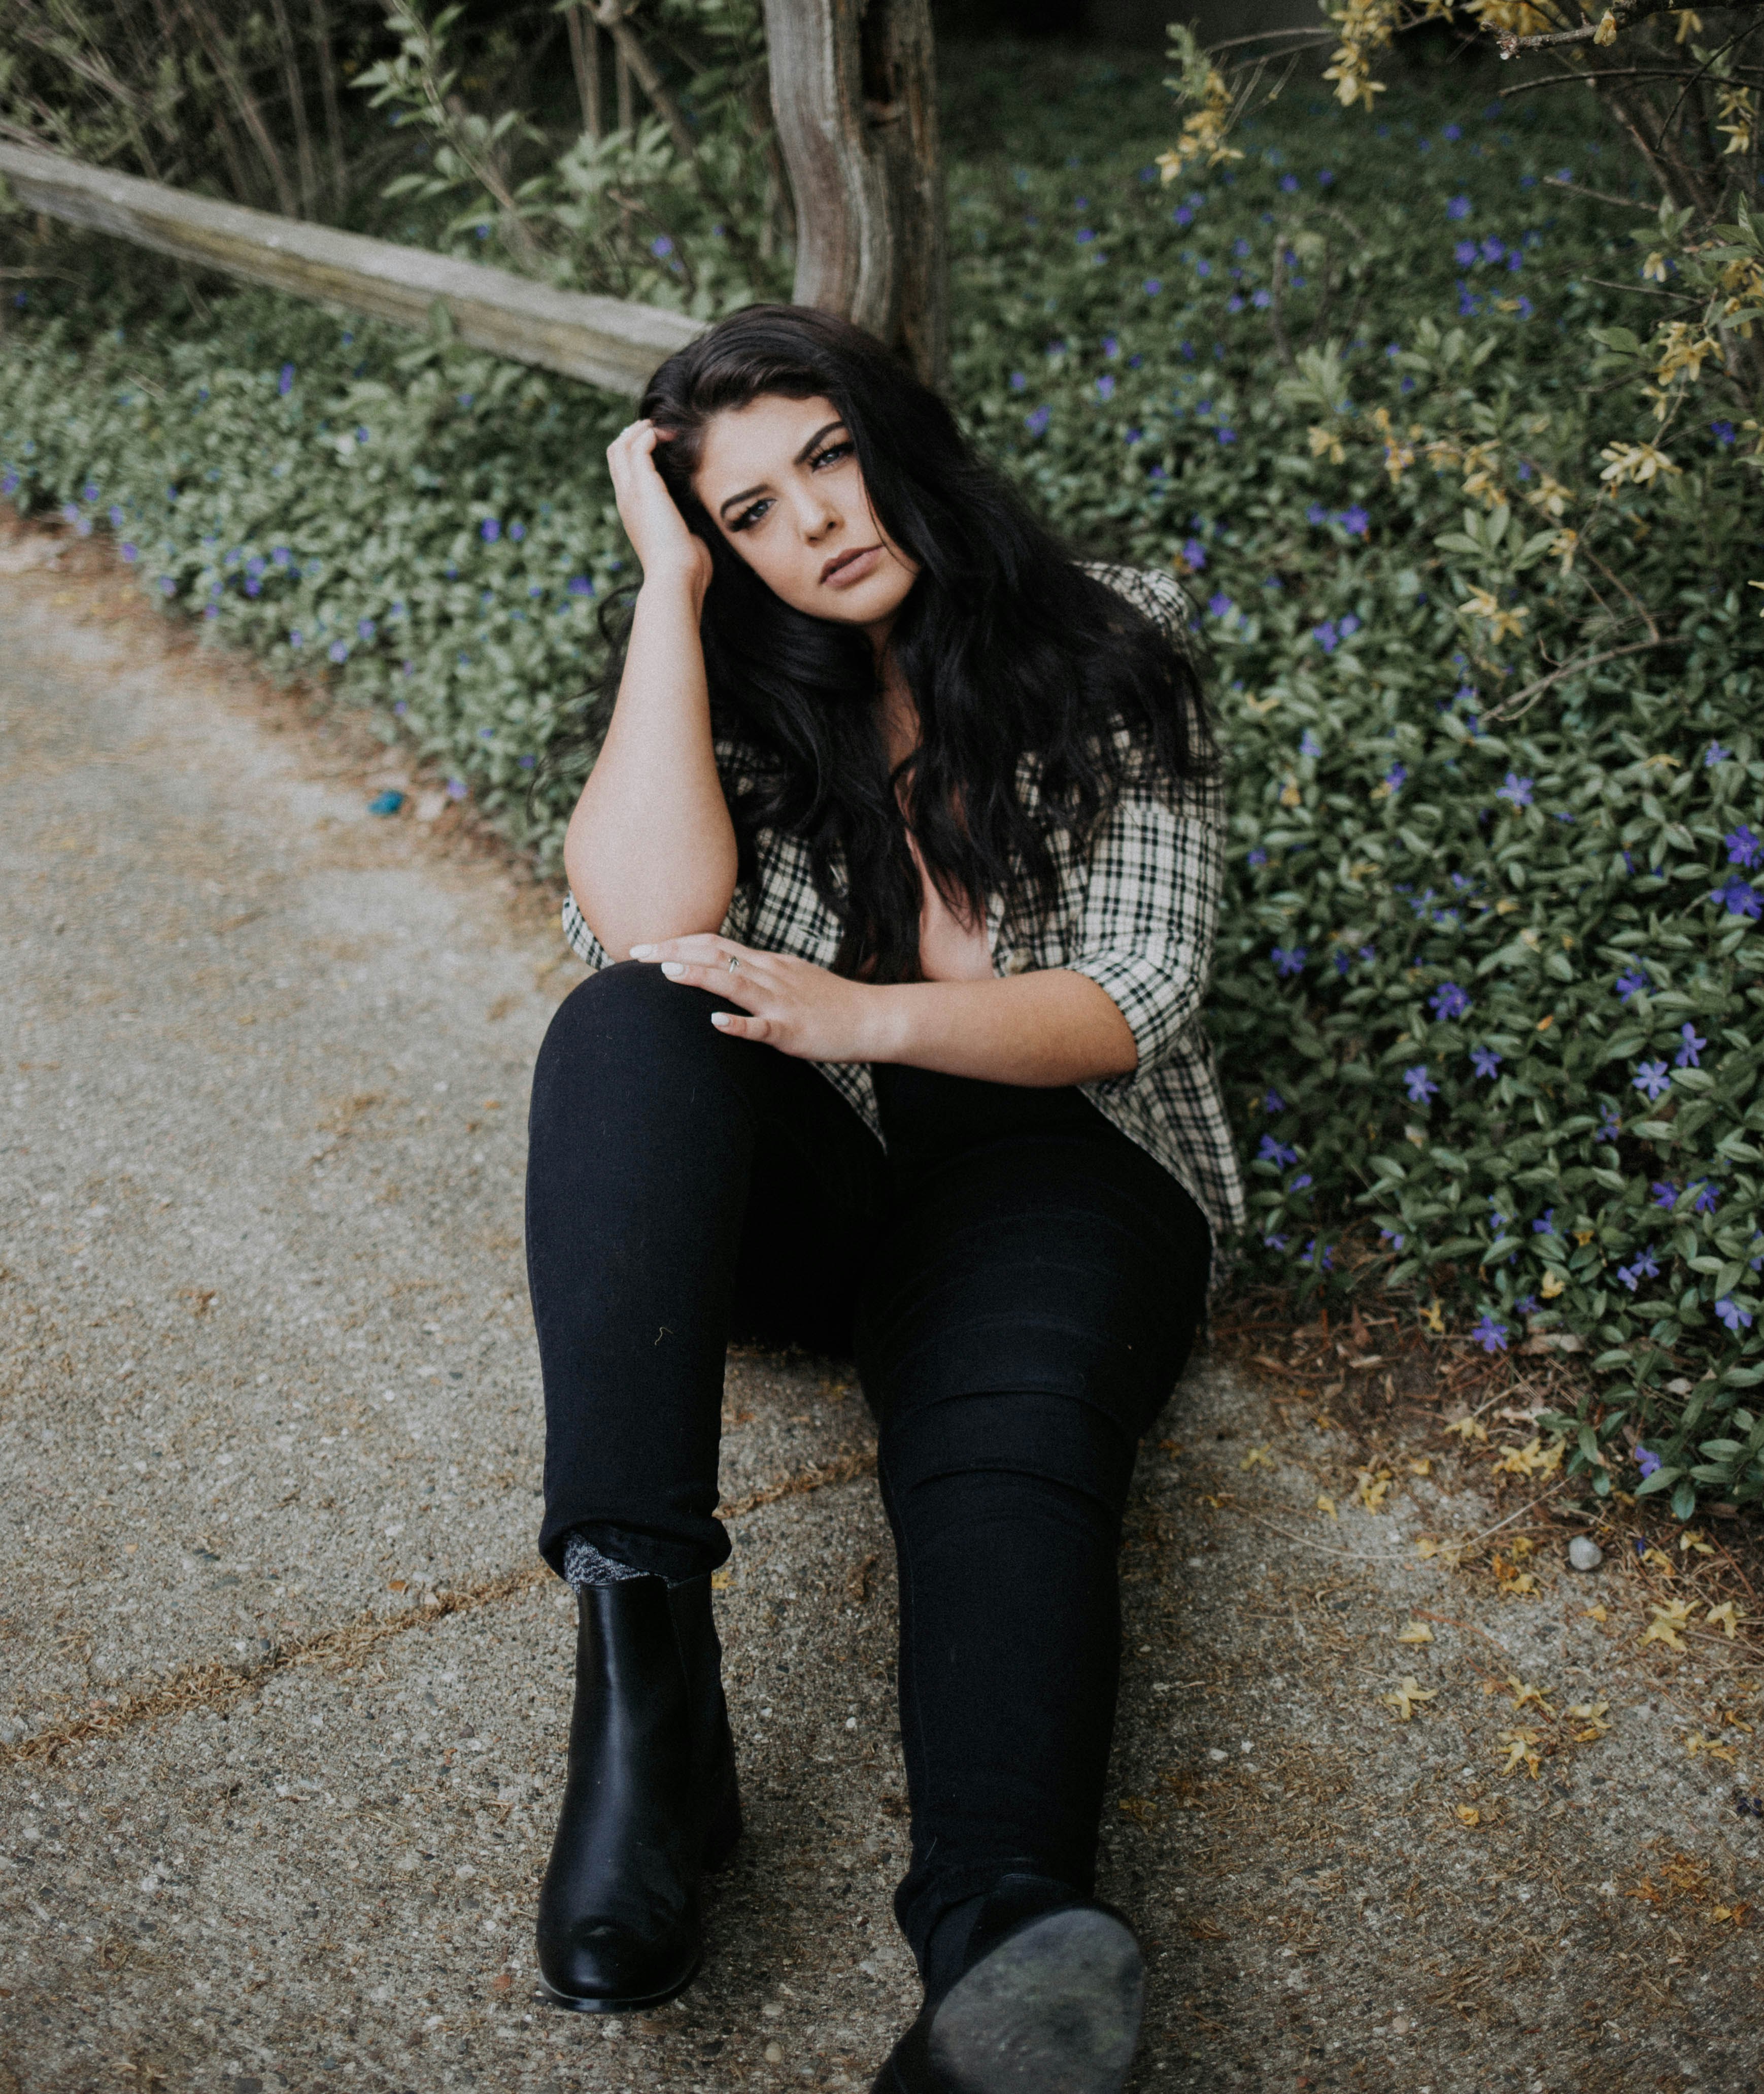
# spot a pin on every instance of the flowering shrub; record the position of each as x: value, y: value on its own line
x: 1488, y: 996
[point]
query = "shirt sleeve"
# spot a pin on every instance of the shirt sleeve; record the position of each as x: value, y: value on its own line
x: 1149, y: 910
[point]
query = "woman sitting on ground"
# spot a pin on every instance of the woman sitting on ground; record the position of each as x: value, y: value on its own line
x: 906, y: 821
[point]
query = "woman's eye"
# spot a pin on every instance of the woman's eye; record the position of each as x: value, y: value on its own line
x: 749, y: 517
x: 833, y: 451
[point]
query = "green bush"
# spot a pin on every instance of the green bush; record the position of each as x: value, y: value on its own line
x: 1488, y: 994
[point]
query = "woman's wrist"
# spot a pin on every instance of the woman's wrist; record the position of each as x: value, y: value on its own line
x: 886, y: 1029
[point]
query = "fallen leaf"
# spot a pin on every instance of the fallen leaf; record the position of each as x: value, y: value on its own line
x: 1696, y: 1744
x: 1522, y: 1694
x: 1532, y: 1459
x: 1521, y: 1751
x: 1416, y: 1632
x: 1727, y: 1616
x: 1468, y: 1813
x: 1735, y: 1912
x: 1591, y: 1714
x: 721, y: 1580
x: 1660, y: 1560
x: 1693, y: 1538
x: 1468, y: 1429
x: 1424, y: 1467
x: 1596, y: 1614
x: 1403, y: 1698
x: 1728, y: 1717
x: 1326, y: 1504
x: 1433, y: 1319
x: 1258, y: 1457
x: 1373, y: 1488
x: 1667, y: 1621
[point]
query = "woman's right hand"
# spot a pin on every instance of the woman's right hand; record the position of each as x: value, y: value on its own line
x: 659, y: 535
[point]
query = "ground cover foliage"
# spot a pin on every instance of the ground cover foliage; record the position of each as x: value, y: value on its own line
x: 1489, y: 998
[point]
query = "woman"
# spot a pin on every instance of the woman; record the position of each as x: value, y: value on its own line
x: 906, y: 821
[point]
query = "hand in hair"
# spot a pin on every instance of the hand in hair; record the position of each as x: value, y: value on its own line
x: 664, y: 544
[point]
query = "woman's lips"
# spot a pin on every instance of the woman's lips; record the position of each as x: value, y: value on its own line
x: 853, y: 570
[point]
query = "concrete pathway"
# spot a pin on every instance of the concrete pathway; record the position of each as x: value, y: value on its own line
x: 283, y: 1695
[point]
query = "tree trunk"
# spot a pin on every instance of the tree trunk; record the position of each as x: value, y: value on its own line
x: 854, y: 88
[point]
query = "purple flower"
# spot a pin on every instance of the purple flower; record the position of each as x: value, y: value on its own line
x: 128, y: 552
x: 1686, y: 1057
x: 489, y: 530
x: 661, y: 247
x: 284, y: 384
x: 1111, y: 344
x: 1545, y: 1223
x: 1290, y: 182
x: 1723, y: 432
x: 1309, y: 745
x: 579, y: 585
x: 456, y: 788
x: 1226, y: 435
x: 339, y: 650
x: 1395, y: 1241
x: 366, y: 628
x: 1152, y: 286
x: 1715, y: 754
x: 1194, y: 552
x: 1708, y: 1195
x: 1449, y: 1001
x: 1289, y: 961
x: 1647, y: 1462
x: 1526, y: 1305
x: 1516, y: 791
x: 1458, y: 207
x: 1738, y: 898
x: 1273, y: 1102
x: 1632, y: 983
x: 1651, y: 1079
x: 1275, y: 1242
x: 168, y: 587
x: 1019, y: 381
x: 1611, y: 1126
x: 1221, y: 605
x: 1730, y: 1312
x: 1485, y: 1060
x: 1421, y: 1086
x: 1276, y: 1152
x: 1646, y: 1267
x: 1464, y: 252
x: 1665, y: 1193
x: 1036, y: 424
x: 1355, y: 519
x: 1084, y: 236
x: 1742, y: 847
x: 1491, y: 1336
x: 296, y: 638
x: 1322, y: 1259
x: 1395, y: 778
x: 1106, y: 386
x: 1326, y: 636
x: 1257, y: 856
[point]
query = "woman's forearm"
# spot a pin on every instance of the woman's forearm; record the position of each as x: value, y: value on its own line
x: 1045, y: 1028
x: 650, y: 852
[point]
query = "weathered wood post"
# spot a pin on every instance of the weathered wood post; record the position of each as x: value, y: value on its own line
x: 853, y: 88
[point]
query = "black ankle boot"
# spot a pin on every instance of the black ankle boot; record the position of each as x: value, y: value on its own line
x: 650, y: 1800
x: 1048, y: 2001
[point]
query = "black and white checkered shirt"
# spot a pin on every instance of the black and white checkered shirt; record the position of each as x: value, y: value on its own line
x: 1136, y: 914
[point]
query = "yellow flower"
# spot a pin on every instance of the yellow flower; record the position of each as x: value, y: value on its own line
x: 1653, y: 269
x: 1606, y: 30
x: 1550, y: 496
x: 1639, y: 463
x: 1563, y: 547
x: 1327, y: 441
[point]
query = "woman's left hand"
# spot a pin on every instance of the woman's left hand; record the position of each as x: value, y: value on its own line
x: 790, y: 1004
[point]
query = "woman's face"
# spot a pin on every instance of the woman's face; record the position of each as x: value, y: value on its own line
x: 781, y: 479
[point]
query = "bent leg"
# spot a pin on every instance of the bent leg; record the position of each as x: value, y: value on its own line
x: 676, y: 1178
x: 1036, y: 1300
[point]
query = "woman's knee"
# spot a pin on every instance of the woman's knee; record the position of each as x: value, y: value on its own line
x: 628, y: 1012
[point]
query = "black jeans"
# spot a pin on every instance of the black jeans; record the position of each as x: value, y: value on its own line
x: 1019, y: 1284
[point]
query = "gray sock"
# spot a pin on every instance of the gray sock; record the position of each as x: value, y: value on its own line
x: 584, y: 1566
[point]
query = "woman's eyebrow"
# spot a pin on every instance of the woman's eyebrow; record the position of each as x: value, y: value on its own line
x: 800, y: 459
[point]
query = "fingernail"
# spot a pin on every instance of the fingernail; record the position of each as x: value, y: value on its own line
x: 672, y: 967
x: 719, y: 1018
x: 641, y: 952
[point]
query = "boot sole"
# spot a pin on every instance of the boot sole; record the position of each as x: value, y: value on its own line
x: 571, y: 2005
x: 1053, y: 2009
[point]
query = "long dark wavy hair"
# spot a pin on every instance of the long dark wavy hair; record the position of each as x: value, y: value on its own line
x: 1010, y: 650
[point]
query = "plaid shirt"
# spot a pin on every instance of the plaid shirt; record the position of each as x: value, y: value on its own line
x: 1136, y: 914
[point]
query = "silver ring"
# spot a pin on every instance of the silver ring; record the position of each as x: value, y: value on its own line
x: 733, y: 963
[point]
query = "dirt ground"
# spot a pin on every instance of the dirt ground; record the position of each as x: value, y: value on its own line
x: 1400, y: 1799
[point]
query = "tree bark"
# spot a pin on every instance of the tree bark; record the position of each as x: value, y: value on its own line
x: 853, y: 89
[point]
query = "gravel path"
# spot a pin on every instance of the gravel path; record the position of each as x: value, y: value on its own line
x: 282, y: 1693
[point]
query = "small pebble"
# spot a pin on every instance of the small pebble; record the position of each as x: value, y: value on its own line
x: 1584, y: 1553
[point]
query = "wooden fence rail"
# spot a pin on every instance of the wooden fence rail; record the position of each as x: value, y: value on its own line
x: 608, y: 342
